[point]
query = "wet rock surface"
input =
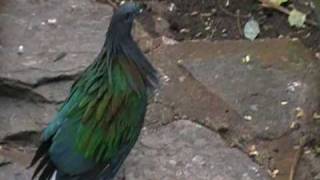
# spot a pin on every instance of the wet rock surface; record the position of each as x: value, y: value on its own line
x: 211, y: 97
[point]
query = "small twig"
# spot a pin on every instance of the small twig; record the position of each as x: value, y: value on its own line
x: 294, y: 166
x: 227, y: 12
x: 297, y: 158
x: 239, y: 23
x: 269, y: 4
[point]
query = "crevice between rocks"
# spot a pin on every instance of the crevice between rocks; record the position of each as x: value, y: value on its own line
x: 47, y: 80
x: 22, y: 139
x: 20, y: 90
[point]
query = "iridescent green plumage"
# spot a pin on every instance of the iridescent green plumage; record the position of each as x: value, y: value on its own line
x: 110, y: 109
x: 96, y: 127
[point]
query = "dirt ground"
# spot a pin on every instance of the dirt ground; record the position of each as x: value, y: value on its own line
x: 225, y: 19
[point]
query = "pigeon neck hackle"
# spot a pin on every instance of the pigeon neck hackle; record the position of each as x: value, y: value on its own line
x: 119, y: 44
x: 122, y: 21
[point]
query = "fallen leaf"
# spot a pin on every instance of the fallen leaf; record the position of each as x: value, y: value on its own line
x: 253, y: 151
x: 278, y: 2
x: 299, y: 112
x: 251, y: 29
x: 316, y: 116
x: 297, y: 18
x: 246, y: 59
x: 248, y: 117
x: 274, y: 172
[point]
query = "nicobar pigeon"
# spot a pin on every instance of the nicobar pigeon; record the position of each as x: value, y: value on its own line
x: 96, y: 127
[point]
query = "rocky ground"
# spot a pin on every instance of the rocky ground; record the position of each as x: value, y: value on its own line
x: 226, y: 110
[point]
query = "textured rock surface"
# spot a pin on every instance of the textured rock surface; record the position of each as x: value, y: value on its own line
x: 279, y: 89
x: 287, y: 74
x: 180, y: 150
x: 20, y: 115
x: 15, y: 172
x: 264, y: 93
x: 184, y: 150
x: 78, y: 31
x: 70, y: 30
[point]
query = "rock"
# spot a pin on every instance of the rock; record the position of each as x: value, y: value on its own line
x: 219, y: 89
x: 55, y: 91
x: 16, y: 168
x: 256, y: 89
x: 59, y: 39
x: 185, y: 150
x: 18, y: 115
x: 262, y: 83
x: 73, y: 34
x: 158, y: 114
x: 15, y: 172
x: 178, y: 150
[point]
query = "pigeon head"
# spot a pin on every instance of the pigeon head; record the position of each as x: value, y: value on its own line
x: 122, y: 19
